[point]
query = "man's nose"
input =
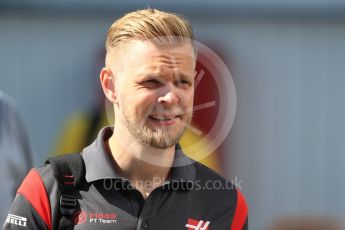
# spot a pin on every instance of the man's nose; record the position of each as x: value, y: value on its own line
x: 168, y: 96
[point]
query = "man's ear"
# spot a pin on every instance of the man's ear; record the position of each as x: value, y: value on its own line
x: 108, y: 84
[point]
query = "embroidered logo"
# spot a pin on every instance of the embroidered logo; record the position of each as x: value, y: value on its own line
x: 16, y: 220
x: 82, y: 217
x: 197, y: 224
x: 104, y: 218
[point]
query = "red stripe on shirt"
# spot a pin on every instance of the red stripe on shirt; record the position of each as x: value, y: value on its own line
x: 241, y: 213
x: 34, y: 191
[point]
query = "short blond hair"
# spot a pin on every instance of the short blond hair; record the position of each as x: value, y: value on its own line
x: 148, y: 24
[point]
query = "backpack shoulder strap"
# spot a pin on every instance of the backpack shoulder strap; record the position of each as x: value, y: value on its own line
x: 68, y: 164
x: 68, y: 170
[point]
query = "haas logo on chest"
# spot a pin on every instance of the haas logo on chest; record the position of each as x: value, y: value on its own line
x: 81, y: 217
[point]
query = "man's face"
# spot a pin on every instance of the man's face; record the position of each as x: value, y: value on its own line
x: 155, y: 90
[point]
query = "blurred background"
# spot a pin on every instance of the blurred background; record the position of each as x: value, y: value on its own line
x: 287, y: 58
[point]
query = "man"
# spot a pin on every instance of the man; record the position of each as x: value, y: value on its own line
x: 15, y: 153
x: 136, y: 175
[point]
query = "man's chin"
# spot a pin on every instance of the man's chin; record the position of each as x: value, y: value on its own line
x: 161, y: 145
x: 159, y: 138
x: 163, y: 140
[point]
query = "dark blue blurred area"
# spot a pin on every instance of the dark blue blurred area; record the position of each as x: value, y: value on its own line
x: 287, y: 59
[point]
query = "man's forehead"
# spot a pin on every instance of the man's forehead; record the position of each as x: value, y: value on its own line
x: 171, y: 59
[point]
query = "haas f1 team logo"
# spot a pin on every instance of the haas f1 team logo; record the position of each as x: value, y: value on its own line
x: 81, y: 217
x: 197, y: 224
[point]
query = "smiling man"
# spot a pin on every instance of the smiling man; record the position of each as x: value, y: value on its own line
x: 135, y: 175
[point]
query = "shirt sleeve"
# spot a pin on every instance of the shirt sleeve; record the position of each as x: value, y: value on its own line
x: 31, y: 206
x: 240, y: 221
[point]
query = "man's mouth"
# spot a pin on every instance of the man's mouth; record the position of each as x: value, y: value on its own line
x: 164, y: 118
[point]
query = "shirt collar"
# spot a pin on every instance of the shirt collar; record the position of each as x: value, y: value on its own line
x: 99, y: 166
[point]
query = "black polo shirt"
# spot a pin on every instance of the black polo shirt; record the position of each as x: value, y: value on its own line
x: 193, y: 197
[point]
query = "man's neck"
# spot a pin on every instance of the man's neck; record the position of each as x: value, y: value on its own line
x: 140, y: 164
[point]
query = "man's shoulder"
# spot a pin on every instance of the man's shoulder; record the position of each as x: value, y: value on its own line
x: 210, y: 183
x: 44, y: 169
x: 214, y: 191
x: 39, y: 177
x: 204, y: 173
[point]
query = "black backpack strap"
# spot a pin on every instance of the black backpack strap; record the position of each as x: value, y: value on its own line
x: 68, y: 170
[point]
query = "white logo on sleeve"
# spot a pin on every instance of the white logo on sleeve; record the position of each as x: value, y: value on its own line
x: 16, y: 220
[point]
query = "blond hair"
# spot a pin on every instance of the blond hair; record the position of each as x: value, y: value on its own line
x: 148, y: 24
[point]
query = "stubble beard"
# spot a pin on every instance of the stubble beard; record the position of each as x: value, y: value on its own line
x: 160, y: 138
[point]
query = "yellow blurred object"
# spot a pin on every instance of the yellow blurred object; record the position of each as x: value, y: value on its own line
x: 71, y: 137
x: 78, y: 132
x: 195, y: 147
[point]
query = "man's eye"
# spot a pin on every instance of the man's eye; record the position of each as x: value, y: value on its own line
x: 183, y: 83
x: 151, y: 83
